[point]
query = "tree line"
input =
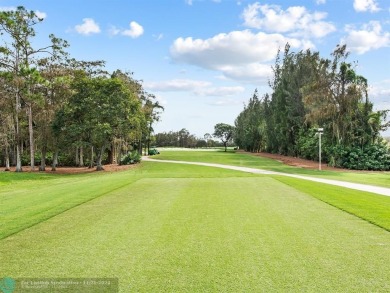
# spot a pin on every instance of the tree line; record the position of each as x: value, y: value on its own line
x: 54, y: 108
x: 311, y: 92
x: 183, y: 139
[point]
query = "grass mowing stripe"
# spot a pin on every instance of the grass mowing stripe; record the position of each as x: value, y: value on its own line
x: 23, y: 205
x: 47, y: 202
x: 367, y: 206
x: 206, y: 235
x: 199, y: 229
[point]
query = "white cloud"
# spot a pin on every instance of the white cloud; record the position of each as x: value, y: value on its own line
x: 227, y: 102
x: 197, y: 87
x: 135, y: 30
x: 380, y: 90
x: 176, y: 85
x: 365, y: 5
x: 379, y: 93
x: 237, y: 47
x: 89, y: 26
x: 296, y: 20
x: 219, y: 91
x: 40, y: 14
x: 252, y: 73
x: 189, y: 2
x: 240, y: 55
x: 369, y: 37
x: 319, y: 2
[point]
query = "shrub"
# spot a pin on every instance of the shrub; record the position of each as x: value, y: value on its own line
x: 130, y: 158
x: 373, y: 157
x: 153, y: 152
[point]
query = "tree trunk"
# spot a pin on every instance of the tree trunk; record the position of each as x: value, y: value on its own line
x: 55, y: 161
x: 225, y: 144
x: 81, y: 153
x: 18, y: 159
x: 31, y: 136
x: 91, y: 162
x: 13, y: 155
x: 7, y: 167
x: 119, y: 152
x: 17, y: 136
x: 148, y: 141
x: 77, y: 160
x: 111, y: 153
x: 140, y: 145
x: 42, y: 167
x: 99, y: 166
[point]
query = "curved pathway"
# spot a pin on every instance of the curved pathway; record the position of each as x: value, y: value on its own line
x: 362, y: 187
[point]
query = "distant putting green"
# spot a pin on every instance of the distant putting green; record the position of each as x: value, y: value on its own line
x: 184, y: 228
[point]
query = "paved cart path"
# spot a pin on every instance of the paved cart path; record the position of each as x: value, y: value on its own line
x: 362, y: 187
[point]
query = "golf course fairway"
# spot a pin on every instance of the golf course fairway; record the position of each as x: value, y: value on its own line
x: 183, y: 228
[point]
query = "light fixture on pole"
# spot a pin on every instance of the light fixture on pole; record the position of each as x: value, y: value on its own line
x: 319, y: 132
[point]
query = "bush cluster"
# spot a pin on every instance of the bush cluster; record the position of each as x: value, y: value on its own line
x: 374, y: 157
x: 153, y: 152
x: 132, y: 157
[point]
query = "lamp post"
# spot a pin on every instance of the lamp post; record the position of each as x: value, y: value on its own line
x: 319, y: 132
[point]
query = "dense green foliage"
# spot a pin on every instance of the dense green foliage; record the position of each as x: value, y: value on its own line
x: 224, y: 132
x: 370, y: 157
x: 153, y: 152
x: 183, y: 139
x: 72, y: 107
x: 132, y: 157
x: 310, y: 92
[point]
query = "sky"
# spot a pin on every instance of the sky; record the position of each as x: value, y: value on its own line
x: 203, y: 59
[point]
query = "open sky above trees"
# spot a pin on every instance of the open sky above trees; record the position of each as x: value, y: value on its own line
x: 203, y: 59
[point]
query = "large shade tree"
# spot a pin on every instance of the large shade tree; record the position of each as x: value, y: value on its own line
x: 100, y: 110
x: 224, y: 132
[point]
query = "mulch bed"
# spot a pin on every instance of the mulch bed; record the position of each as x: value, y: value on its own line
x: 297, y: 162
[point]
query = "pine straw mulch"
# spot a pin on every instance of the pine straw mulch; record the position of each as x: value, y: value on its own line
x: 298, y: 162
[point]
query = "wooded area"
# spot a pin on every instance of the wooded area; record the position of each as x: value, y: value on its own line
x: 58, y: 110
x: 311, y: 92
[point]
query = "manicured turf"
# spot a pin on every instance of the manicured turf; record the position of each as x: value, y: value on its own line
x: 29, y: 198
x: 368, y: 206
x: 248, y: 160
x: 181, y: 228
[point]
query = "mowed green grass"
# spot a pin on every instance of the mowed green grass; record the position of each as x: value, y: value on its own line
x: 178, y: 228
x: 365, y: 205
x: 253, y: 161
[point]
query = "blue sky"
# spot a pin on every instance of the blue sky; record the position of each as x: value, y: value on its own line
x: 203, y: 59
